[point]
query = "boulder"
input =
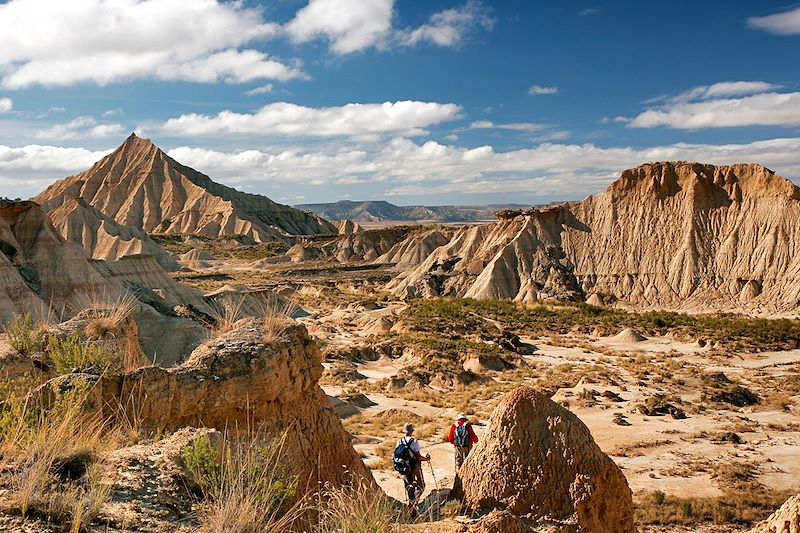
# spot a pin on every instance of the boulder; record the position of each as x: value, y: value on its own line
x: 538, y: 461
x: 784, y: 520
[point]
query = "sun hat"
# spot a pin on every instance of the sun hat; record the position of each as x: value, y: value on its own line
x: 461, y: 416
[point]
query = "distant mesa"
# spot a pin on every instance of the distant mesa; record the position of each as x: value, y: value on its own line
x: 382, y: 211
x: 138, y: 185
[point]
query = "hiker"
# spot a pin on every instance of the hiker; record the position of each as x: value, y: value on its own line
x: 462, y: 437
x: 408, y: 462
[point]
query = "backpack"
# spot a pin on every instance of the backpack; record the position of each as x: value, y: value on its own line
x: 461, y: 437
x: 405, y: 460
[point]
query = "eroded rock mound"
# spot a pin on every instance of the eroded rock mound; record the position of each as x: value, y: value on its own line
x: 248, y: 377
x: 415, y: 248
x: 537, y: 460
x: 784, y: 520
x: 139, y: 185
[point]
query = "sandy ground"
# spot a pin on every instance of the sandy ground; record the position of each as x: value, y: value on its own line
x: 676, y: 456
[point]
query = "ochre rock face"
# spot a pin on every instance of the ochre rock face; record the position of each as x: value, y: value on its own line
x: 538, y: 460
x: 139, y: 185
x: 784, y: 520
x: 241, y: 380
x: 684, y: 236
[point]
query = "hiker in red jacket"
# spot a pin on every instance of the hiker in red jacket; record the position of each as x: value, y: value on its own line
x: 462, y: 437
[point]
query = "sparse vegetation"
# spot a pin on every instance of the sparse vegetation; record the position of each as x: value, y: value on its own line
x: 71, y: 353
x: 736, y: 332
x: 354, y: 510
x: 731, y: 508
x: 25, y: 335
x: 244, y: 483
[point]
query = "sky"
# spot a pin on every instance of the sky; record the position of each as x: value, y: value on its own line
x: 433, y: 102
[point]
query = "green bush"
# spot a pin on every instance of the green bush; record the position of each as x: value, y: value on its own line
x: 24, y: 334
x: 71, y: 353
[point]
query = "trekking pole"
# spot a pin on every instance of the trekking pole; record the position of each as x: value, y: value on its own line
x: 435, y: 484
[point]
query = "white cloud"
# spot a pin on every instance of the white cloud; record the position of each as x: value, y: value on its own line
x: 540, y: 89
x: 6, y: 105
x: 81, y: 128
x: 408, y: 168
x: 715, y: 107
x: 449, y: 27
x: 349, y: 25
x: 116, y: 112
x: 406, y: 118
x: 401, y: 167
x: 514, y: 126
x: 785, y: 23
x: 264, y: 89
x: 356, y: 25
x: 107, y: 41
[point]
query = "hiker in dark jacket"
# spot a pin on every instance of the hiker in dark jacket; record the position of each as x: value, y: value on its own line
x: 462, y: 437
x: 413, y: 479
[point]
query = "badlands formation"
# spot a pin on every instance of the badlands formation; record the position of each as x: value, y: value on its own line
x: 180, y: 356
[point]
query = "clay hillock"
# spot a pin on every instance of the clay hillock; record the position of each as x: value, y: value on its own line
x: 39, y: 270
x: 103, y: 238
x: 519, y: 259
x: 250, y: 376
x: 139, y: 185
x: 348, y: 227
x: 684, y: 236
x: 538, y: 461
x: 49, y: 277
x: 627, y: 336
x: 365, y: 245
x: 415, y: 248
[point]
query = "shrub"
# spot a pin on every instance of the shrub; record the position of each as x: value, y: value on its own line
x: 25, y: 335
x: 71, y: 353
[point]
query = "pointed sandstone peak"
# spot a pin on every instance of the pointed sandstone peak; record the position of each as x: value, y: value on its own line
x: 139, y: 185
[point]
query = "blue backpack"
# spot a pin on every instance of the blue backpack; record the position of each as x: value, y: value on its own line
x: 461, y: 437
x: 405, y: 460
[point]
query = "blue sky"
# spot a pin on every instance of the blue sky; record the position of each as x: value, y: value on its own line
x: 435, y: 102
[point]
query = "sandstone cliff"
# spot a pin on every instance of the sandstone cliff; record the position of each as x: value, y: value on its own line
x: 103, y: 238
x: 665, y: 235
x: 139, y: 185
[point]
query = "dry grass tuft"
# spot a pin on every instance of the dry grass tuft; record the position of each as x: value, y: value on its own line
x: 246, y: 487
x: 354, y: 510
x: 52, y: 460
x: 277, y: 313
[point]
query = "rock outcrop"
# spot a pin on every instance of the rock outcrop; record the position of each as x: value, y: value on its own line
x: 139, y: 185
x: 683, y: 236
x: 249, y: 377
x: 538, y: 461
x: 102, y: 238
x: 784, y: 520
